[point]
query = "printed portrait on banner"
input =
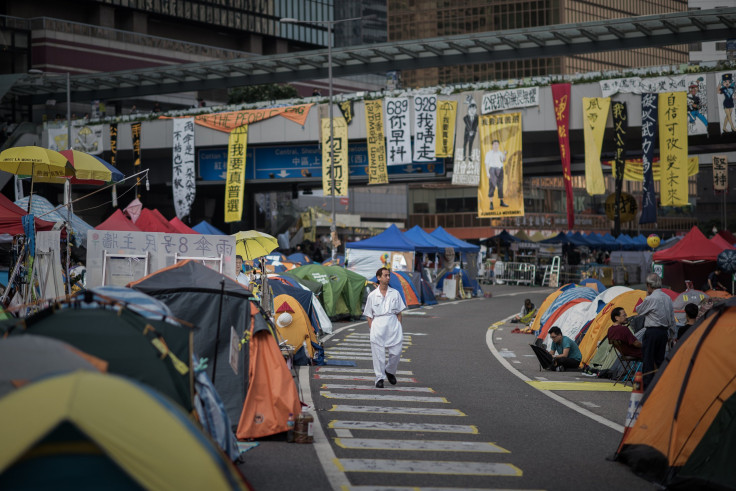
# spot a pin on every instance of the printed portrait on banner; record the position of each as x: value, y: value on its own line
x: 724, y: 96
x: 697, y: 106
x: 466, y: 169
x: 501, y: 189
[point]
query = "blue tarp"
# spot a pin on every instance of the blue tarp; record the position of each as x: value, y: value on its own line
x: 390, y: 239
x: 566, y: 296
x: 42, y: 208
x: 426, y: 242
x: 205, y: 228
x: 459, y: 245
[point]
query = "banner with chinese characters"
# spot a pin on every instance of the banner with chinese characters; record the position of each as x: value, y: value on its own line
x: 228, y: 121
x: 335, y: 173
x: 720, y: 172
x: 425, y: 127
x: 135, y: 132
x: 595, y: 115
x: 114, y: 144
x: 446, y: 113
x: 466, y: 168
x: 346, y: 108
x: 510, y: 99
x: 235, y: 180
x: 561, y: 98
x: 398, y: 130
x: 183, y: 176
x: 649, y: 128
x: 725, y: 92
x: 673, y: 148
x: 634, y: 168
x: 377, y: 172
x: 501, y: 190
x: 620, y: 123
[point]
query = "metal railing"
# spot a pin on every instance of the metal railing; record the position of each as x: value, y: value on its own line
x: 515, y: 273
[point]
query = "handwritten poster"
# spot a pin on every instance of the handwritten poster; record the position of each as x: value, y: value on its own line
x: 425, y: 127
x: 398, y: 131
x: 183, y: 178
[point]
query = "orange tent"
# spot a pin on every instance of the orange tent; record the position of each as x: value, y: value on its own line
x: 296, y: 327
x: 543, y: 308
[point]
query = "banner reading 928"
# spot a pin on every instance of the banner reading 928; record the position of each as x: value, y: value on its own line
x: 501, y: 189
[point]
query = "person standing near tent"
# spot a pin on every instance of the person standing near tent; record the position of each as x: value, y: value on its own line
x: 659, y: 319
x: 240, y: 276
x: 383, y: 309
x: 565, y: 352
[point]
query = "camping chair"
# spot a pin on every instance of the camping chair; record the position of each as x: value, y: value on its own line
x: 630, y: 364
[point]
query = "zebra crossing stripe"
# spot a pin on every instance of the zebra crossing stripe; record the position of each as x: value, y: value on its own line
x: 418, y: 445
x: 370, y: 387
x: 360, y: 378
x: 373, y: 396
x: 416, y: 411
x: 349, y: 350
x: 357, y: 370
x: 337, y: 424
x: 349, y: 356
x: 428, y: 467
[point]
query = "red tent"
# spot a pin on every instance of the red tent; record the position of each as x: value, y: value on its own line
x: 11, y: 218
x: 721, y: 242
x: 730, y: 238
x: 693, y: 247
x: 181, y: 227
x: 118, y: 221
x: 153, y: 221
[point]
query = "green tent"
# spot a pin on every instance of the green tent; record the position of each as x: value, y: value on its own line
x: 342, y: 290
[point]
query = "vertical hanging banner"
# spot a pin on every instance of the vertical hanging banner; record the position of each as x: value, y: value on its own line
x: 398, y: 133
x: 595, y: 115
x: 135, y: 131
x: 561, y: 98
x: 425, y: 127
x: 620, y: 121
x: 445, y: 143
x: 346, y: 108
x: 720, y: 172
x: 649, y: 126
x: 725, y: 92
x: 466, y: 168
x: 501, y: 190
x: 235, y: 181
x: 673, y: 148
x: 336, y: 171
x: 113, y: 144
x: 377, y: 172
x: 183, y: 178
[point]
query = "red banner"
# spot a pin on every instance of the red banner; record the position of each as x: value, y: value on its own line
x: 231, y: 120
x: 561, y: 96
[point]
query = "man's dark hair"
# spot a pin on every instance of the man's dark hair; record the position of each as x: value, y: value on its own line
x: 380, y: 272
x: 239, y: 257
x: 691, y: 311
x: 615, y: 313
x: 555, y: 330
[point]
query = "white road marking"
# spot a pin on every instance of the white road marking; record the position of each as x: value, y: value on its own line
x: 373, y: 396
x: 361, y: 378
x: 416, y: 488
x: 589, y: 404
x: 508, y: 354
x: 371, y: 387
x: 395, y: 426
x: 419, y: 445
x: 357, y: 370
x: 348, y: 350
x: 500, y: 338
x: 525, y: 292
x: 541, y: 378
x: 342, y: 433
x: 428, y: 467
x: 417, y: 411
x: 349, y: 356
x: 517, y: 361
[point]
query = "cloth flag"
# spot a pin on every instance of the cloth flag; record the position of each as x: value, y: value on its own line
x: 377, y: 172
x: 501, y: 190
x: 425, y: 127
x: 595, y: 115
x: 445, y: 142
x: 398, y: 133
x: 235, y: 180
x: 183, y: 175
x: 561, y: 97
x: 649, y: 125
x: 335, y: 173
x: 673, y: 182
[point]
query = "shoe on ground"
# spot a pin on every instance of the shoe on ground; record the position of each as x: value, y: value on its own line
x: 391, y: 378
x: 379, y: 384
x: 560, y: 368
x: 503, y: 205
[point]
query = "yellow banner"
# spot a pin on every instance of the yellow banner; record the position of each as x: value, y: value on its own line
x: 377, y: 172
x: 595, y: 115
x: 235, y: 182
x: 445, y: 142
x: 235, y: 119
x: 501, y: 190
x: 634, y: 169
x: 308, y: 224
x: 338, y: 171
x: 673, y: 148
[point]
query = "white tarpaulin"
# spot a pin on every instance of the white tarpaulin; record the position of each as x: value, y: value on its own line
x: 48, y: 264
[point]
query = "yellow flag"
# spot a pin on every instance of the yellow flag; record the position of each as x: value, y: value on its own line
x: 673, y: 148
x: 634, y: 170
x: 595, y: 115
x: 377, y: 172
x: 445, y: 142
x: 501, y: 189
x: 338, y: 171
x: 235, y: 182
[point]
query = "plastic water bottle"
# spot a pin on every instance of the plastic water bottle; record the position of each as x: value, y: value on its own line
x: 290, y: 428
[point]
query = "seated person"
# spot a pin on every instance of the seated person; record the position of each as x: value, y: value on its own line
x: 565, y: 353
x: 630, y: 345
x: 691, y: 315
x: 527, y: 313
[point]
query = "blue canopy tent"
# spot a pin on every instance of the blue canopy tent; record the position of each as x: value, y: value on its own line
x: 611, y: 241
x: 626, y: 242
x: 426, y: 242
x: 390, y: 239
x: 560, y: 238
x: 389, y: 248
x: 459, y: 245
x: 504, y: 237
x: 577, y: 239
x: 205, y: 228
x: 641, y: 243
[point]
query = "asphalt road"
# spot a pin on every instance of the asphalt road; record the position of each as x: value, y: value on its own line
x: 471, y: 411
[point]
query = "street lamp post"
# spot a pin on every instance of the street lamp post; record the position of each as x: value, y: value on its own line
x: 330, y: 26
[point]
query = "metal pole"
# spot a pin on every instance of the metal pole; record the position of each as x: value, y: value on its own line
x: 68, y: 187
x: 333, y: 225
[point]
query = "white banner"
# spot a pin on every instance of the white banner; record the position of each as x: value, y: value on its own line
x: 48, y: 264
x: 58, y: 139
x: 183, y: 176
x: 85, y: 138
x: 425, y: 127
x: 398, y: 133
x: 510, y: 99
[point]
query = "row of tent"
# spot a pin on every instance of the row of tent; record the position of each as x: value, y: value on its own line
x: 592, y: 240
x: 414, y: 240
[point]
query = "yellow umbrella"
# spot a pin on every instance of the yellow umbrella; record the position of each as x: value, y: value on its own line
x: 252, y: 244
x: 88, y: 169
x: 36, y: 162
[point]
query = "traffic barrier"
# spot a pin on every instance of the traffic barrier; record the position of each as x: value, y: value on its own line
x: 515, y: 273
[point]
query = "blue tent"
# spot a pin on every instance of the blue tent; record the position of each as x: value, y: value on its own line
x: 467, y: 280
x: 566, y: 296
x: 339, y: 261
x: 625, y: 242
x: 390, y: 239
x: 205, y: 228
x: 505, y: 237
x: 641, y: 243
x: 459, y: 245
x: 299, y: 257
x: 611, y: 241
x: 304, y: 297
x: 426, y: 242
x: 560, y: 238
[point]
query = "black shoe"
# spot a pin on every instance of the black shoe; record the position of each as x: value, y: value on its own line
x: 379, y: 384
x: 490, y: 207
x: 391, y: 378
x: 504, y: 205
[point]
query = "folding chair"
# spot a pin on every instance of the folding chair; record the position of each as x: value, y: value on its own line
x: 630, y: 364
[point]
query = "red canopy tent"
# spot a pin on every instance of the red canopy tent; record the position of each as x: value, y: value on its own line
x: 118, y: 221
x: 692, y: 258
x: 181, y: 227
x: 730, y: 238
x: 11, y: 219
x: 153, y: 221
x: 721, y: 242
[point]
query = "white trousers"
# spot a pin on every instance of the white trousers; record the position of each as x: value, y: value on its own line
x: 379, y: 359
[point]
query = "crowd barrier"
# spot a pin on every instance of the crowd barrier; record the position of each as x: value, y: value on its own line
x: 515, y: 273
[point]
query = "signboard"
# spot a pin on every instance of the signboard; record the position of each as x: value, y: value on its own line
x: 628, y: 207
x: 160, y: 248
x: 299, y: 162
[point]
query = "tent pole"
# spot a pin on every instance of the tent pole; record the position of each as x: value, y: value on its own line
x: 217, y: 333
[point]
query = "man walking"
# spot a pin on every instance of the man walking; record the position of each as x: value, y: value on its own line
x: 383, y: 310
x: 659, y: 319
